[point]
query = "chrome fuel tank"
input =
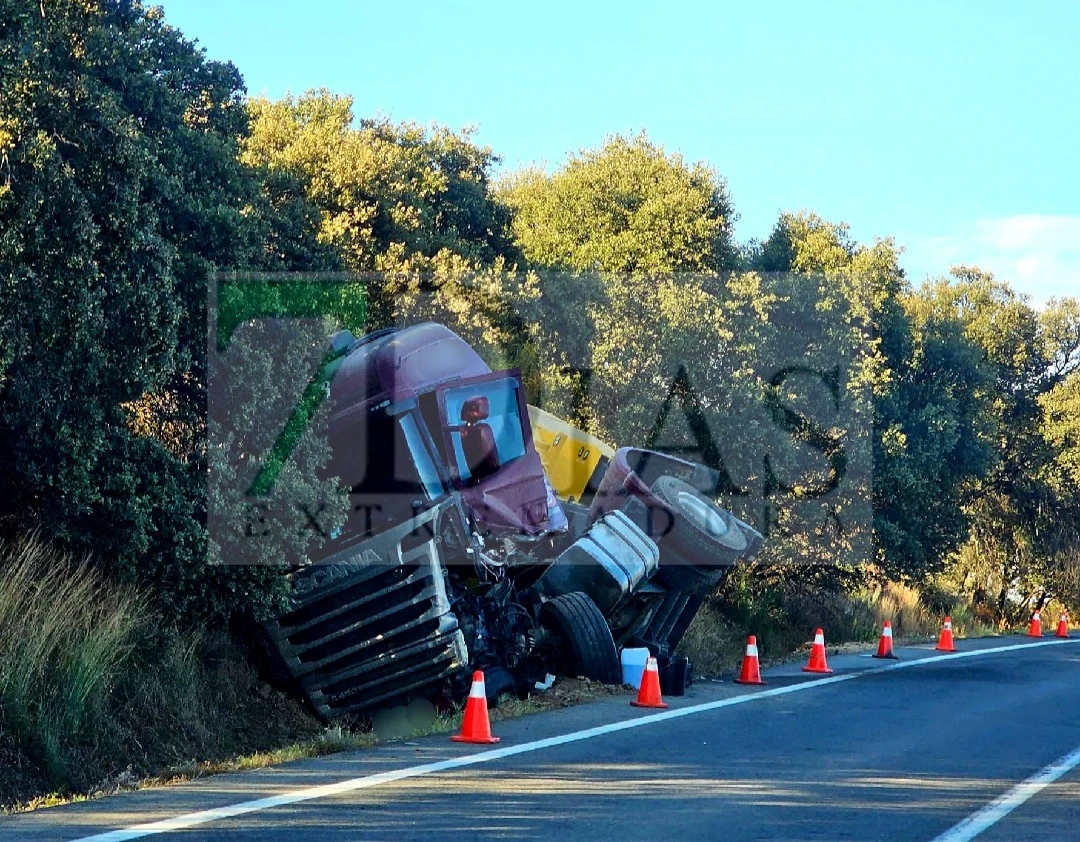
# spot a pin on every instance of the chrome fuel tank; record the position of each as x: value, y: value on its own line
x: 608, y: 563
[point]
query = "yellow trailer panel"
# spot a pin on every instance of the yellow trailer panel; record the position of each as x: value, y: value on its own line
x: 570, y: 456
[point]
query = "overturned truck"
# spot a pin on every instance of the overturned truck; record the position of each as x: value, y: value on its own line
x: 459, y: 551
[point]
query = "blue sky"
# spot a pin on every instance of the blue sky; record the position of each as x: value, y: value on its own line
x: 951, y: 126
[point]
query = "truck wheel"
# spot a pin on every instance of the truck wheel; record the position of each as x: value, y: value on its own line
x: 589, y: 648
x: 691, y: 581
x: 702, y: 528
x: 702, y: 541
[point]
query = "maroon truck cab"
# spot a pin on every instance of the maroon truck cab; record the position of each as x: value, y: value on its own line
x: 417, y: 414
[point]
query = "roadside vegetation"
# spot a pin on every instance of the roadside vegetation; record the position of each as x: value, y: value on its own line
x: 133, y: 168
x: 65, y: 637
x: 98, y: 694
x: 783, y: 623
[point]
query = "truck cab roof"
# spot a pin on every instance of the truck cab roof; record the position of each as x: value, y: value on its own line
x: 402, y: 362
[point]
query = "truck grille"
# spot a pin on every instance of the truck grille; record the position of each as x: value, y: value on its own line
x: 371, y: 624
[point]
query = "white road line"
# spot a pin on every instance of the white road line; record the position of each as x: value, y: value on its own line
x: 1000, y: 807
x: 368, y: 781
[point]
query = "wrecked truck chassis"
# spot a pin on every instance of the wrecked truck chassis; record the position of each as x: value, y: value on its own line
x: 400, y: 614
x: 390, y: 617
x: 452, y: 557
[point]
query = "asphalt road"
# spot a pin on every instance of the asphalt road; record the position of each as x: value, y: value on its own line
x: 901, y: 754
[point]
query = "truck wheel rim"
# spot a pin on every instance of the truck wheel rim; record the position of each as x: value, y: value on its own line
x: 708, y: 519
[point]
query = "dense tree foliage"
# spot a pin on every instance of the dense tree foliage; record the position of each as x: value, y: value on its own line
x: 377, y: 184
x: 928, y: 441
x: 626, y: 207
x: 656, y: 334
x: 805, y: 367
x: 390, y: 197
x: 121, y: 187
x: 1023, y: 506
x: 122, y: 192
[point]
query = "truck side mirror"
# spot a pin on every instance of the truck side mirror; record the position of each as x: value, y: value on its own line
x: 475, y: 409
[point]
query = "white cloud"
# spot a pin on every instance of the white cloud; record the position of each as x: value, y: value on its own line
x: 1036, y: 253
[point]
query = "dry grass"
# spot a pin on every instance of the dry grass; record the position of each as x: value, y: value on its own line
x: 565, y: 692
x: 715, y: 642
x: 333, y: 740
x: 64, y: 639
x: 901, y: 604
x: 97, y: 695
x: 144, y: 773
x: 97, y: 692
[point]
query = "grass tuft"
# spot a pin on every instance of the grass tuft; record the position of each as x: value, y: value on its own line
x: 64, y: 638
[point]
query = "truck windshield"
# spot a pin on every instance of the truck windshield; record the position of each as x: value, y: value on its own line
x: 503, y: 419
x: 426, y: 471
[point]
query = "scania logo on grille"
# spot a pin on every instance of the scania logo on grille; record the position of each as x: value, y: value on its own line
x: 319, y: 576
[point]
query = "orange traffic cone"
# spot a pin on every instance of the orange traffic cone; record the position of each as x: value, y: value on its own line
x: 1035, y: 628
x: 817, y: 654
x: 649, y: 693
x: 884, y: 649
x: 1063, y: 626
x: 751, y: 669
x: 475, y: 727
x: 945, y: 641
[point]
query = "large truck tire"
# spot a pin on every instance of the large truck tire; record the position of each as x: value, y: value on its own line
x: 690, y: 581
x: 589, y: 648
x: 702, y: 541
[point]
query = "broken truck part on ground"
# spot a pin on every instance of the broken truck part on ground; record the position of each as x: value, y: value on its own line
x: 486, y: 534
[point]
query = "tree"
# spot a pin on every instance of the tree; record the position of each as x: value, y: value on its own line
x: 122, y: 192
x: 626, y: 207
x: 674, y: 349
x: 1061, y: 430
x: 614, y: 234
x: 924, y: 378
x: 385, y: 193
x: 1022, y: 511
x: 628, y: 241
